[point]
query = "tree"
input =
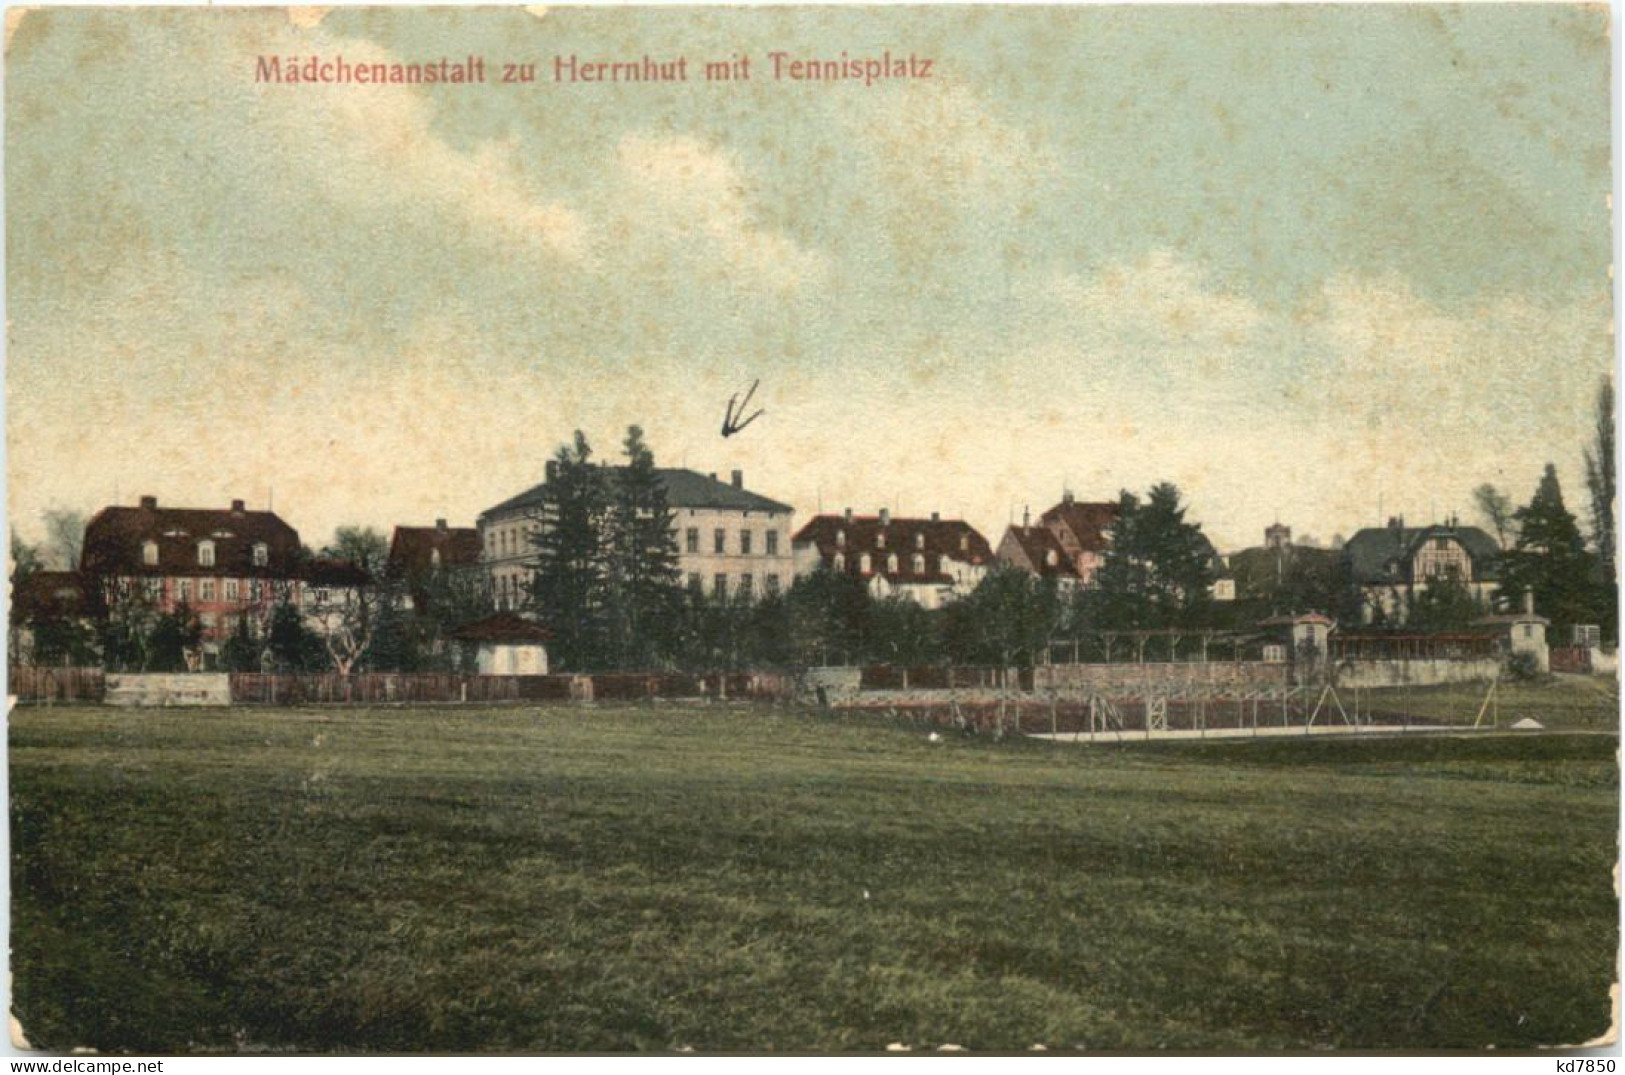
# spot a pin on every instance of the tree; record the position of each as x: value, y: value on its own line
x: 1008, y: 620
x: 293, y: 647
x: 175, y: 645
x: 1158, y: 569
x: 569, y: 583
x: 241, y: 653
x: 1600, y: 482
x: 1445, y: 604
x: 345, y: 593
x: 829, y: 617
x: 1549, y: 559
x: 129, y: 618
x: 65, y: 537
x: 641, y: 577
x: 25, y: 564
x: 1496, y: 509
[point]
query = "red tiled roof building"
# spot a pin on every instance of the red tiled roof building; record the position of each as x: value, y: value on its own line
x: 1068, y: 544
x: 929, y: 561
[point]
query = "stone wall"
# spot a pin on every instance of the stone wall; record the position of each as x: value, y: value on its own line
x: 1161, y: 676
x: 1414, y: 673
x: 169, y: 689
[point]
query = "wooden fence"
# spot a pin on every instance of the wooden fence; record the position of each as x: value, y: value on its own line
x: 50, y: 685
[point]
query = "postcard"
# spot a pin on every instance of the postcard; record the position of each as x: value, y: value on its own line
x: 811, y: 529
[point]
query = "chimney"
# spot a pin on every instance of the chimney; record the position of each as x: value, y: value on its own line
x: 885, y: 517
x: 739, y: 479
x: 713, y: 475
x: 236, y: 507
x: 1066, y: 496
x: 1026, y: 517
x: 440, y: 524
x: 848, y: 514
x: 936, y: 516
x: 552, y: 470
x: 149, y: 502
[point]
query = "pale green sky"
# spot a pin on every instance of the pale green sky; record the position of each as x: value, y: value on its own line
x: 1295, y: 260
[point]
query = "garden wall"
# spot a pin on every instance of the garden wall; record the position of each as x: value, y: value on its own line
x: 1418, y: 673
x: 168, y: 689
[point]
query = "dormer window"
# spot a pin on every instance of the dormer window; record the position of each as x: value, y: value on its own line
x: 149, y: 553
x: 205, y: 554
x: 919, y: 541
x: 840, y: 538
x: 1051, y: 558
x: 262, y: 554
x: 880, y: 540
x: 964, y: 542
x: 434, y: 558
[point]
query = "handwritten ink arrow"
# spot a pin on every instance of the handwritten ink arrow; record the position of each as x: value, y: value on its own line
x: 730, y: 421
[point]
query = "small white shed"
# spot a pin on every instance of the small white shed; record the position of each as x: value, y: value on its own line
x: 506, y: 644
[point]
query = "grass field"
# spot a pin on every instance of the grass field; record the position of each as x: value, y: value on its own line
x: 1572, y: 702
x: 745, y: 879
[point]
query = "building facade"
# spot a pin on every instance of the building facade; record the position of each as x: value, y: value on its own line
x: 417, y: 553
x: 222, y: 564
x: 1068, y: 543
x: 731, y: 542
x: 1390, y: 565
x: 929, y: 561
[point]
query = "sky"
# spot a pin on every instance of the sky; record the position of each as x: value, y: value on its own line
x: 1316, y: 265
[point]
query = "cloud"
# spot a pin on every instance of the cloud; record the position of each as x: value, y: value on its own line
x: 376, y: 145
x: 695, y: 193
x: 1160, y: 299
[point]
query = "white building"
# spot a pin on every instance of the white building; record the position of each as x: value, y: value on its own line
x: 930, y: 561
x: 730, y: 541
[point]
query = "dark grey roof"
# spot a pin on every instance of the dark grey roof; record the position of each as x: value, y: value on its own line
x: 1382, y: 554
x: 684, y: 489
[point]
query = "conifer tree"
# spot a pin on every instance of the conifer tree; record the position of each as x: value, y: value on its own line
x: 643, y: 591
x: 1549, y: 559
x: 570, y: 580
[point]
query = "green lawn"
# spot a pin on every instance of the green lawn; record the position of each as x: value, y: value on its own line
x: 1589, y: 703
x: 746, y: 879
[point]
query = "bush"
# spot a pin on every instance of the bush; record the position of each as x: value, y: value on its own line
x: 1522, y: 668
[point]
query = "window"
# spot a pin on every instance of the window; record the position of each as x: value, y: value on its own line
x: 691, y: 540
x: 1051, y: 558
x: 772, y: 583
x: 183, y: 590
x: 719, y: 541
x: 719, y: 585
x: 964, y: 542
x: 865, y: 565
x: 772, y: 542
x: 840, y: 538
x: 1529, y: 630
x: 1441, y: 543
x: 205, y: 590
x: 839, y: 562
x: 744, y: 542
x: 919, y: 564
x: 747, y: 584
x: 695, y: 583
x: 919, y: 540
x: 880, y: 540
x: 891, y: 563
x: 155, y: 589
x: 207, y: 619
x: 149, y: 553
x: 262, y: 554
x: 256, y: 590
x: 205, y: 554
x: 434, y: 558
x: 233, y: 592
